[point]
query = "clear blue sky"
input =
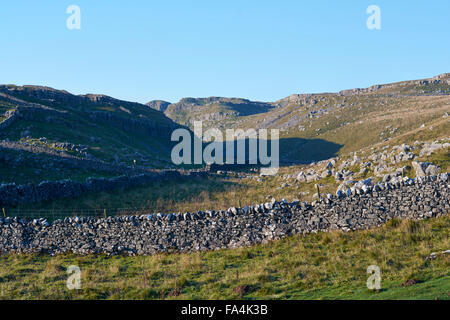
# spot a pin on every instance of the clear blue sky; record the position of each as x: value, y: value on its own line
x: 256, y: 49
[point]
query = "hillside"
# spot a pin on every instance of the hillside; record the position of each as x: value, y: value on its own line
x: 214, y: 111
x: 320, y: 126
x: 43, y: 124
x: 318, y: 266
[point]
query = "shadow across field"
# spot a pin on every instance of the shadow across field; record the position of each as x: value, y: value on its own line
x: 304, y: 151
x: 165, y: 196
x: 291, y: 151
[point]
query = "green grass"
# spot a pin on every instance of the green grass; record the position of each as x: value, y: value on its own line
x: 214, y: 192
x: 174, y: 195
x: 321, y: 266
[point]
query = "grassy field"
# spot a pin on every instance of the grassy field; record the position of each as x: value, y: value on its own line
x: 216, y: 192
x: 318, y: 266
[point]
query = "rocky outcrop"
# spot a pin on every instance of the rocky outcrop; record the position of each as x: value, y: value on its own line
x: 159, y: 105
x: 10, y: 116
x: 34, y: 113
x: 429, y: 148
x: 145, y: 126
x: 236, y: 227
x: 37, y: 103
x: 442, y: 79
x: 213, y: 109
x: 423, y: 169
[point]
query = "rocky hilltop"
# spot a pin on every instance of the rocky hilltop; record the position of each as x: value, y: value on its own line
x: 159, y: 105
x: 213, y: 111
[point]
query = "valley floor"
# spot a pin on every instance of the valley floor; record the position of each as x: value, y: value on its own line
x: 318, y: 266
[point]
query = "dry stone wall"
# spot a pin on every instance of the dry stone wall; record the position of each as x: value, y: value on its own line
x: 147, y: 234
